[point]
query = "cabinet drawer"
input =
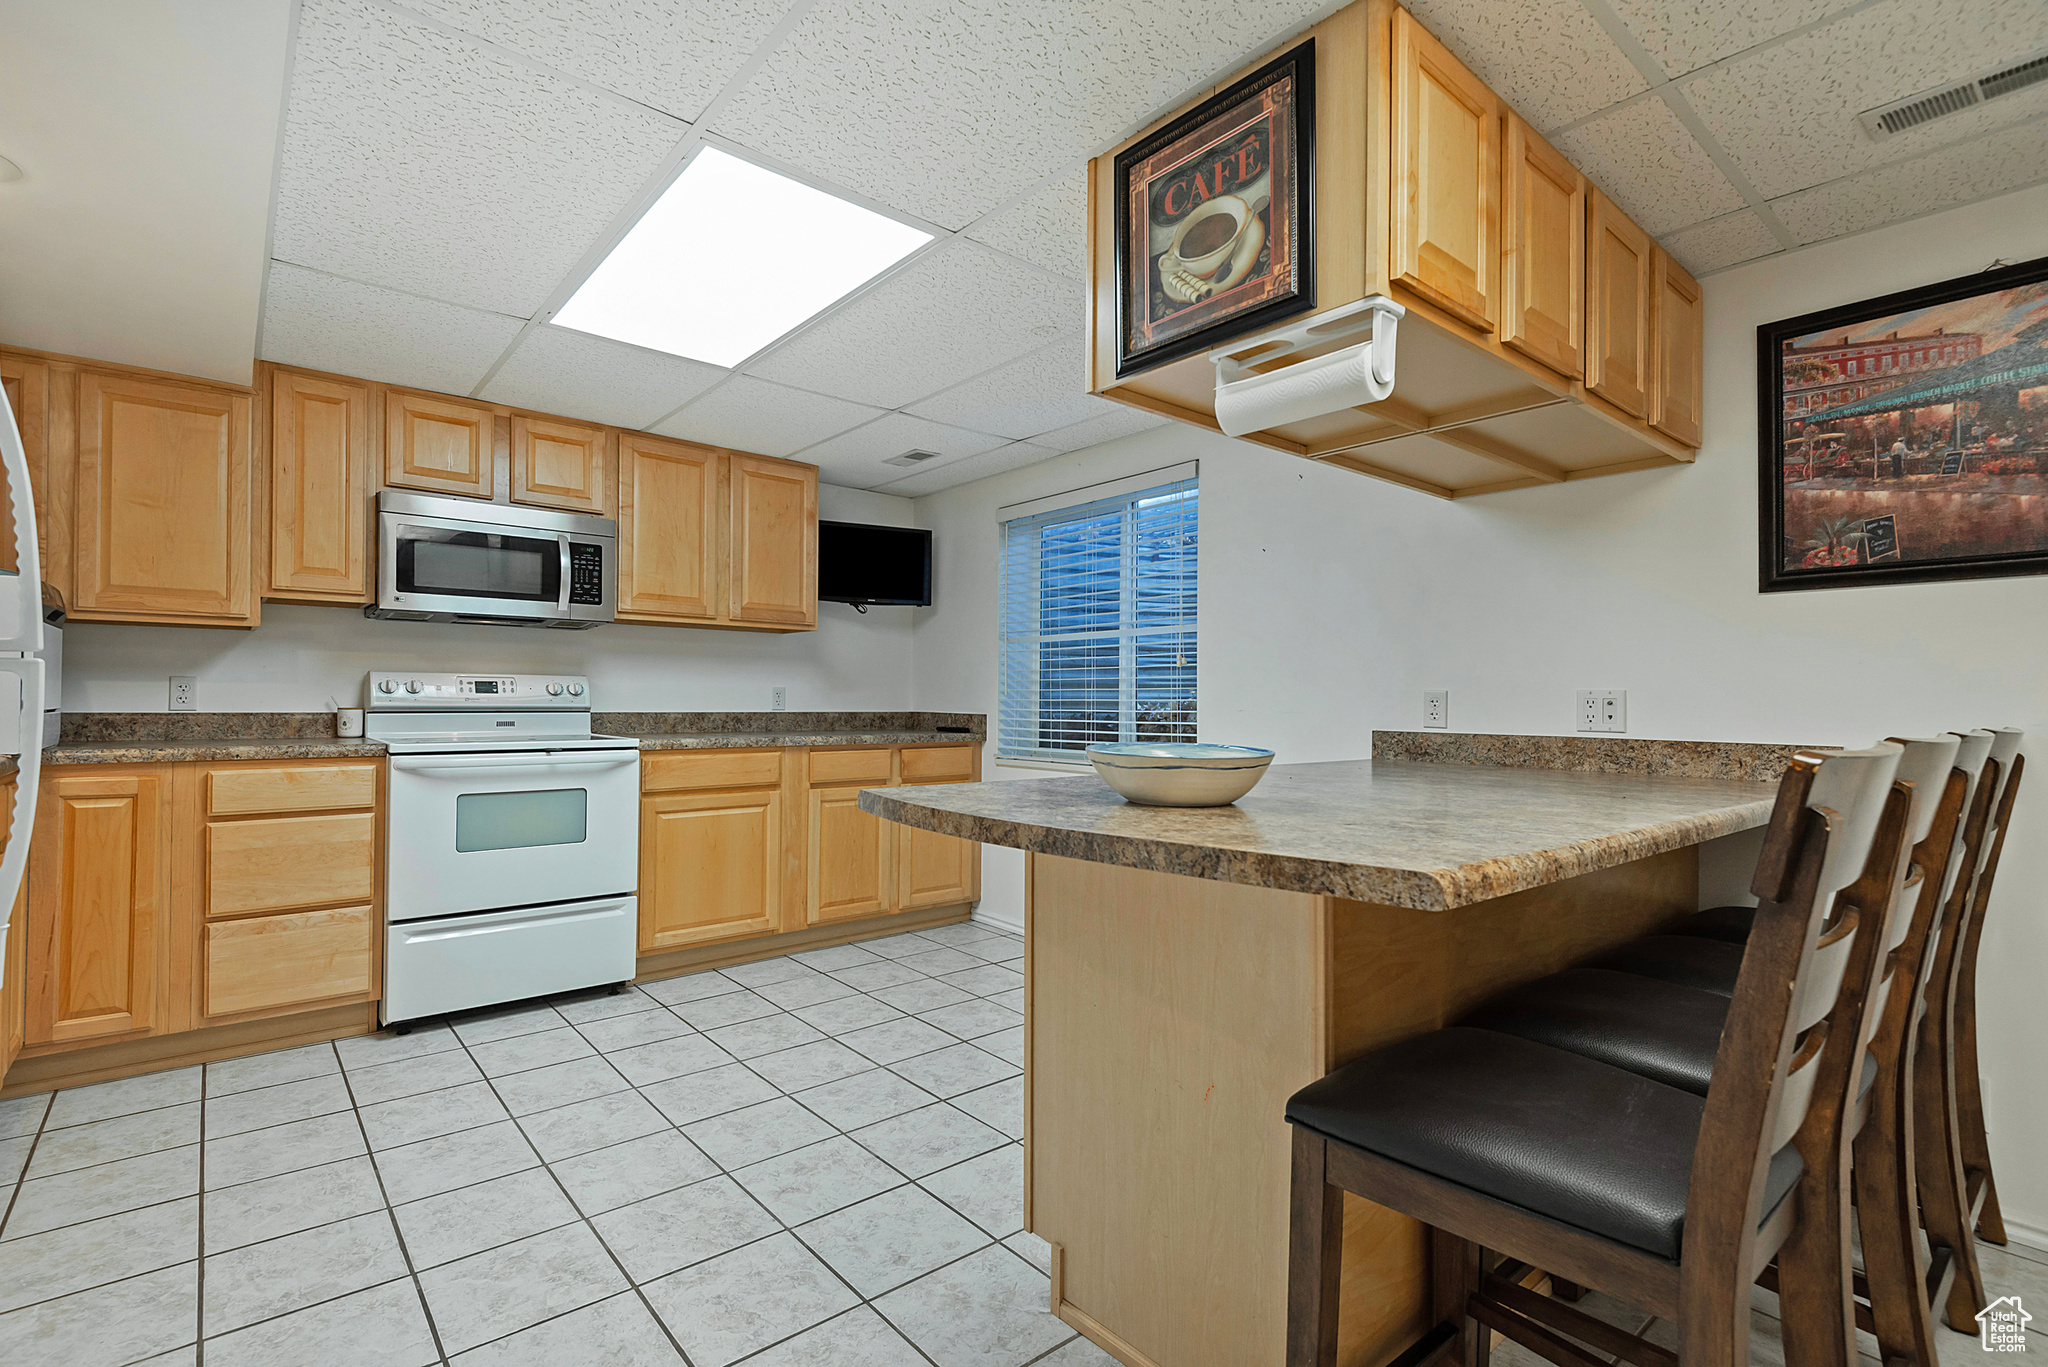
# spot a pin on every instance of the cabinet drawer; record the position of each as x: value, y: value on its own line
x: 673, y: 770
x: 849, y: 766
x: 299, y: 788
x: 936, y: 764
x: 297, y: 861
x: 267, y: 961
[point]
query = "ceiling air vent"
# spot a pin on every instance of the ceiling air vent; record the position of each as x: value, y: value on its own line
x: 912, y: 458
x: 1884, y: 121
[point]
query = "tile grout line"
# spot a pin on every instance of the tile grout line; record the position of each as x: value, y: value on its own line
x: 21, y: 1180
x: 199, y: 1247
x: 390, y: 1214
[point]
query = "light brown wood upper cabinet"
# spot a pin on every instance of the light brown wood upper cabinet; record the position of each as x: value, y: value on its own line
x: 96, y: 905
x: 1678, y: 322
x: 772, y: 541
x: 1542, y: 249
x: 1618, y: 336
x: 320, y: 489
x: 1446, y: 177
x: 162, y: 502
x: 438, y: 445
x: 668, y: 529
x: 27, y: 384
x: 558, y: 464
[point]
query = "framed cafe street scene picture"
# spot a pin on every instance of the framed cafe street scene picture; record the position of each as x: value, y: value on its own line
x: 1906, y: 438
x: 1214, y: 214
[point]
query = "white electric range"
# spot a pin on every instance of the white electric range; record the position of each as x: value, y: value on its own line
x: 512, y: 843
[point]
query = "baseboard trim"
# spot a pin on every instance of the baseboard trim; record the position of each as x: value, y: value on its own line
x: 720, y: 954
x: 159, y: 1053
x: 984, y: 918
x: 2033, y: 1236
x: 1105, y: 1339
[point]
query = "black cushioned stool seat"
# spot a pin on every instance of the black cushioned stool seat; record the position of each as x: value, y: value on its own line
x: 1689, y: 961
x: 1566, y: 1137
x: 1660, y: 1030
x: 1729, y: 924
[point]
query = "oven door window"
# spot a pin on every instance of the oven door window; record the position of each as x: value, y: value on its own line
x: 437, y: 560
x: 521, y: 821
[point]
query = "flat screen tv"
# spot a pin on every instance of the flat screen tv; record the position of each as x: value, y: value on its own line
x: 862, y: 564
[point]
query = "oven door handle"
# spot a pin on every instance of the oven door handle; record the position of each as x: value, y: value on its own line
x: 562, y: 601
x: 470, y: 764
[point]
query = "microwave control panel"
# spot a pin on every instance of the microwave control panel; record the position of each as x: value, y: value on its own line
x: 386, y: 691
x: 586, y: 573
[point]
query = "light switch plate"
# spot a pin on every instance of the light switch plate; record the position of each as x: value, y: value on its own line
x: 1436, y: 708
x: 184, y: 693
x: 1603, y: 709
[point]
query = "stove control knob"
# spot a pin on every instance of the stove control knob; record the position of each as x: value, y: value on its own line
x: 575, y: 690
x: 387, y: 685
x: 554, y: 690
x: 413, y: 685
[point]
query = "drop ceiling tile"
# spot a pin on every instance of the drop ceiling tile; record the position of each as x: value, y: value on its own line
x: 1685, y: 35
x: 1032, y: 394
x: 1723, y: 242
x: 770, y: 419
x: 1050, y: 229
x: 1977, y: 169
x: 955, y: 312
x: 1787, y: 114
x: 1095, y: 431
x: 419, y: 160
x: 856, y: 457
x: 561, y: 370
x: 967, y: 469
x: 946, y: 110
x: 1650, y: 165
x: 325, y: 323
x: 1550, y: 59
x: 674, y: 57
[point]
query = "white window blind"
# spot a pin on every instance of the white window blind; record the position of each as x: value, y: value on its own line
x: 1097, y: 635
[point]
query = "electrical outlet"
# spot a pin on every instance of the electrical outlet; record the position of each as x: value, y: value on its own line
x: 1436, y: 708
x: 779, y: 700
x: 184, y: 693
x: 1603, y: 709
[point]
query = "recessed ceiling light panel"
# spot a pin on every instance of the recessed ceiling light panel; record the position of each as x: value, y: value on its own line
x: 730, y: 258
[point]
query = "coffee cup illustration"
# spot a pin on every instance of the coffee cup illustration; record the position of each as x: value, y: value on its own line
x: 1213, y: 248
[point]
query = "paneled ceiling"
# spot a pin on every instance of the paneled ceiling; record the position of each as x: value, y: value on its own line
x: 448, y: 171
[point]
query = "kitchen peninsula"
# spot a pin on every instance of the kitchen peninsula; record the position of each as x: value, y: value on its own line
x: 1188, y: 969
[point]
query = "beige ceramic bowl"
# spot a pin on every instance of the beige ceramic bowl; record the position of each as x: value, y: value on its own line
x: 1180, y: 775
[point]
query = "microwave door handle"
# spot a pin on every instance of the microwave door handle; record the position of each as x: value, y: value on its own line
x: 562, y: 601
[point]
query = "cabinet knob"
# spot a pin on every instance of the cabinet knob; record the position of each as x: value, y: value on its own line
x: 575, y: 690
x: 554, y: 690
x: 413, y: 685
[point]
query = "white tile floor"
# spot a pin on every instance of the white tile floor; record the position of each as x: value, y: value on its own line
x: 802, y: 1162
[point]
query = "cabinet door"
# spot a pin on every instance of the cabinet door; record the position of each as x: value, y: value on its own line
x: 155, y: 455
x: 852, y: 857
x: 668, y: 528
x: 27, y: 384
x: 14, y: 966
x: 1446, y: 170
x: 934, y: 870
x: 439, y: 446
x: 95, y: 907
x: 1617, y: 307
x: 773, y: 541
x: 709, y: 866
x: 1675, y: 396
x: 561, y: 465
x: 1542, y: 250
x: 320, y: 480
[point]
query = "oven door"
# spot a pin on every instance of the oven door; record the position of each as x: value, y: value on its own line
x: 442, y: 564
x: 478, y: 832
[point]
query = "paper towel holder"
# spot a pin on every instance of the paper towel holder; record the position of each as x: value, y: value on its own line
x: 1362, y: 373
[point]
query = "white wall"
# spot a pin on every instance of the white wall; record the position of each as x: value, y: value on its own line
x: 1329, y: 602
x: 307, y: 659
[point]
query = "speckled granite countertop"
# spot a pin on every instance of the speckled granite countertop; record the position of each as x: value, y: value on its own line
x: 748, y: 730
x: 743, y: 740
x: 226, y: 747
x: 1430, y: 836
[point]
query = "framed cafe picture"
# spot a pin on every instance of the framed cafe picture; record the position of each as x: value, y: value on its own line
x: 1214, y: 217
x: 1905, y: 438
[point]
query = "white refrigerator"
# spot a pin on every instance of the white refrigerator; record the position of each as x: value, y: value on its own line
x: 21, y: 671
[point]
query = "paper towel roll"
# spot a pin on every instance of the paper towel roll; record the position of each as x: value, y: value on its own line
x: 1307, y: 389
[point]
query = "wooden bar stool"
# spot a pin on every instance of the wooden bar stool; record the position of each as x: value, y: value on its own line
x: 1596, y: 1174
x: 1671, y: 1031
x: 1975, y: 1146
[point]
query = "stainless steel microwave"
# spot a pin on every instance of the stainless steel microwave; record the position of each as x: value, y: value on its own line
x: 464, y: 560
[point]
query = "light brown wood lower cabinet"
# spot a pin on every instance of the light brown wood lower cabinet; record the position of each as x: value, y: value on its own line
x: 97, y: 898
x: 710, y: 866
x: 14, y: 970
x: 852, y: 859
x: 260, y: 962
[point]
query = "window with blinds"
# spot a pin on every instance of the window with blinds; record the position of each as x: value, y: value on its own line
x: 1097, y: 637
